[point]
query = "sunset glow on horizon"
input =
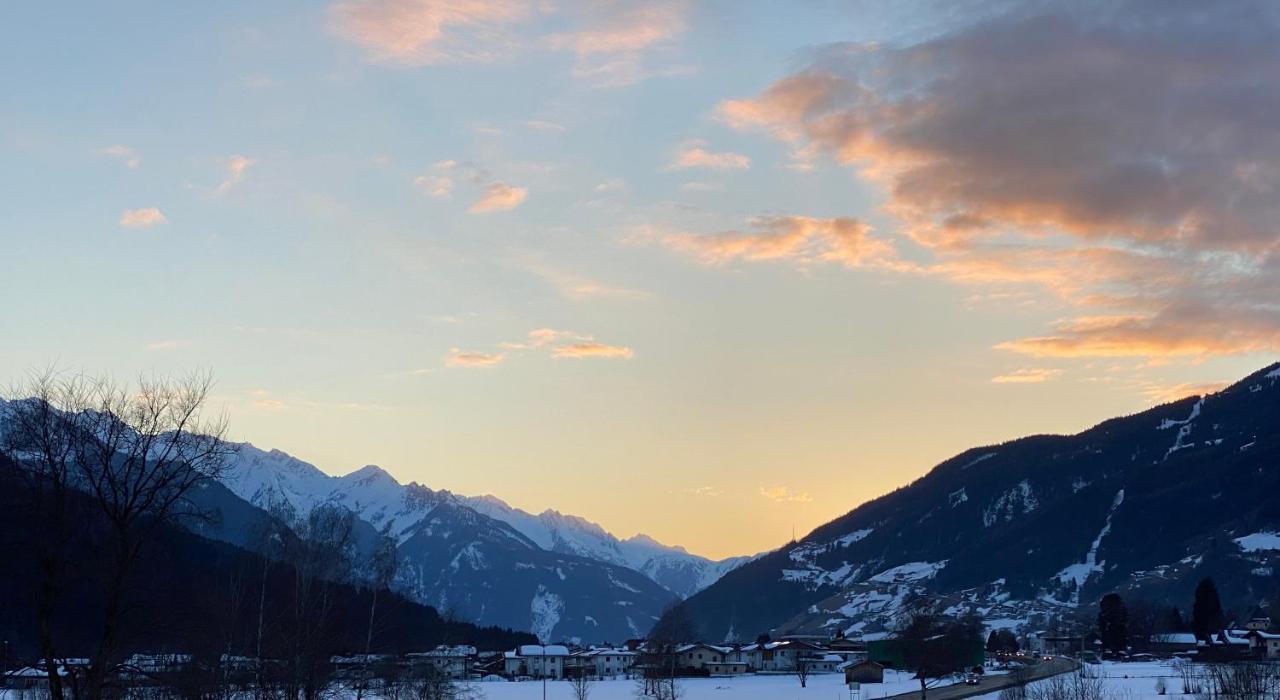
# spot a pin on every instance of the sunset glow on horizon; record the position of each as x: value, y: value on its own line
x: 713, y: 272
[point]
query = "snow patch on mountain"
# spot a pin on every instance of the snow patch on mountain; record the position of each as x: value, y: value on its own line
x: 1019, y: 500
x: 544, y: 613
x: 1080, y: 572
x: 673, y: 567
x: 1259, y: 541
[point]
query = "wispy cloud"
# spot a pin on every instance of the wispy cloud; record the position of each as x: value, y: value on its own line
x: 694, y: 154
x: 424, y: 32
x: 142, y: 218
x: 163, y: 345
x: 1161, y: 393
x: 581, y: 288
x: 499, y: 196
x: 434, y: 185
x: 782, y: 494
x: 592, y: 349
x: 1029, y: 375
x: 613, y: 37
x: 124, y: 153
x: 800, y: 239
x: 469, y: 359
x: 236, y: 167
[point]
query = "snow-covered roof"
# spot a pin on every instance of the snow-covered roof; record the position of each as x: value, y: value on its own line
x: 689, y: 647
x: 1174, y: 638
x: 540, y: 650
x: 607, y: 652
x: 445, y: 650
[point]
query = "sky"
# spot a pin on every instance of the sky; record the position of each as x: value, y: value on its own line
x: 713, y: 271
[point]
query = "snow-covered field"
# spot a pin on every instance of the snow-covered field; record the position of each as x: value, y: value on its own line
x: 827, y: 686
x: 1133, y: 681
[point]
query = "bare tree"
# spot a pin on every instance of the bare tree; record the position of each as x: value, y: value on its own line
x: 383, y: 562
x: 320, y: 556
x: 581, y: 686
x: 38, y: 427
x: 1068, y: 686
x: 137, y: 450
x: 1245, y: 680
x: 802, y: 671
x: 426, y: 682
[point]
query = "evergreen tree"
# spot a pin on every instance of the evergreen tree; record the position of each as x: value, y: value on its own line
x: 1173, y: 621
x: 1206, y: 611
x: 1113, y: 623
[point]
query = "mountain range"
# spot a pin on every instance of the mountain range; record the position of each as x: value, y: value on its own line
x: 560, y: 576
x: 1027, y: 531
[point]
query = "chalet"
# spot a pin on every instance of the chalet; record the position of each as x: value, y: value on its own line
x: 821, y: 663
x: 777, y: 657
x: 536, y: 660
x: 1265, y: 644
x: 602, y: 662
x: 451, y: 661
x: 728, y: 667
x: 1260, y: 623
x: 1172, y: 642
x: 697, y: 656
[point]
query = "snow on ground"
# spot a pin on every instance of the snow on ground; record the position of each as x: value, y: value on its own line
x: 826, y: 686
x: 1259, y: 541
x: 1132, y: 681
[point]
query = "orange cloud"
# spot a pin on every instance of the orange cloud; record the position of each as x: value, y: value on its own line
x: 423, y: 32
x: 1122, y: 164
x: 236, y: 166
x: 460, y: 358
x: 592, y: 349
x: 782, y: 494
x: 694, y: 155
x: 1030, y: 375
x: 797, y: 238
x: 1169, y: 394
x: 1174, y: 332
x: 499, y: 196
x: 614, y: 35
x: 142, y: 218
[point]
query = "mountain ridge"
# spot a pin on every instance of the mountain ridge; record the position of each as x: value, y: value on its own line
x: 1027, y: 530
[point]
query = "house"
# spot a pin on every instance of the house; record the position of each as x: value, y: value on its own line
x: 1265, y: 644
x: 821, y: 663
x: 776, y: 657
x: 452, y: 661
x: 848, y: 649
x: 1261, y: 623
x: 29, y: 677
x: 1172, y: 642
x: 863, y: 672
x: 536, y: 660
x: 603, y: 662
x: 697, y: 656
x: 727, y: 668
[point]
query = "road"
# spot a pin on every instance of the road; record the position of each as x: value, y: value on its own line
x: 991, y: 684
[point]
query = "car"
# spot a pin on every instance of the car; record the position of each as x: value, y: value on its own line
x: 972, y: 679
